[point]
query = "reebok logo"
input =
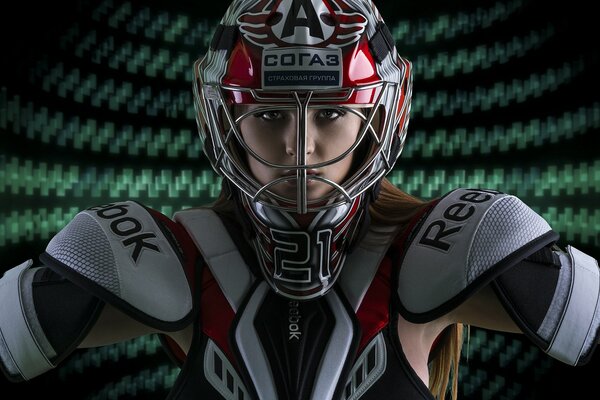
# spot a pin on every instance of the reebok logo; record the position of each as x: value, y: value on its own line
x: 437, y: 233
x: 294, y: 316
x: 129, y: 228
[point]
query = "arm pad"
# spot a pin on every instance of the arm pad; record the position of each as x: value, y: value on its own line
x: 555, y: 303
x: 43, y: 318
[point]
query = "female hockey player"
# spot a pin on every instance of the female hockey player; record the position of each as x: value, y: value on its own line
x: 311, y: 277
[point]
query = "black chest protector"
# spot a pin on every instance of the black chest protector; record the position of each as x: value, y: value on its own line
x: 250, y: 343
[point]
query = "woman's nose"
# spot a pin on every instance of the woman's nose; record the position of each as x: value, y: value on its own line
x: 295, y: 137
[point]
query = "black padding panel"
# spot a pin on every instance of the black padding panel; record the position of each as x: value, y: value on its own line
x: 65, y: 311
x: 527, y: 290
x: 294, y: 354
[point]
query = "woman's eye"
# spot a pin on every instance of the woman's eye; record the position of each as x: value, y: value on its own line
x: 269, y: 115
x: 330, y: 114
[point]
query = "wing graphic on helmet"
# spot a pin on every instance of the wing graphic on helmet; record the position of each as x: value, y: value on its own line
x: 253, y: 26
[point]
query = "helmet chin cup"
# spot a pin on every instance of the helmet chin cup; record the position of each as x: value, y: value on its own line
x: 301, y: 256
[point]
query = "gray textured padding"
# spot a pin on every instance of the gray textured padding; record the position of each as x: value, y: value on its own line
x: 83, y: 246
x: 24, y: 349
x: 507, y: 225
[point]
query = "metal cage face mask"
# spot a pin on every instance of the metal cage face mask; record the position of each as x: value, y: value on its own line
x: 296, y: 184
x: 298, y: 56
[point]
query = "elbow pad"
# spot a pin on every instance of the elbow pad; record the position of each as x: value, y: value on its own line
x: 43, y: 318
x: 554, y: 298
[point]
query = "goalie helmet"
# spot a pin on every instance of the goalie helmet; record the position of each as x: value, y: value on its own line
x: 297, y: 56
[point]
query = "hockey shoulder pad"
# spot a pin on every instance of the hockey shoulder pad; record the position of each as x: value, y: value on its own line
x: 466, y: 240
x: 472, y: 238
x: 132, y: 257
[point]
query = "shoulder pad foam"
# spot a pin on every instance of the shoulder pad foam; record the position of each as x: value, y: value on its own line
x: 467, y: 239
x: 121, y: 253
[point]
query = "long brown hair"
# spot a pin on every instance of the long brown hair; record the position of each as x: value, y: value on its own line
x: 394, y: 207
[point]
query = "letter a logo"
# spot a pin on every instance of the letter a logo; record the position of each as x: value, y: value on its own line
x: 302, y: 13
x: 322, y: 23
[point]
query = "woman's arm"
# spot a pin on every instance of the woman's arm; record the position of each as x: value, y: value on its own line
x: 484, y: 310
x: 115, y: 326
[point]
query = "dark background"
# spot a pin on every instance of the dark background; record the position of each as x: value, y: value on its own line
x: 37, y: 37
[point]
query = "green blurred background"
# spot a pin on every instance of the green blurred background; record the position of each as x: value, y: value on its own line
x: 96, y: 106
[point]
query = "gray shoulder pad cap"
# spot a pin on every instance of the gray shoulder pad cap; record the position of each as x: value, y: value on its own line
x: 120, y: 253
x: 468, y: 238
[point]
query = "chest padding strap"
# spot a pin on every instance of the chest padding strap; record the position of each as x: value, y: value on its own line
x: 219, y: 251
x: 361, y: 266
x: 469, y: 238
x: 131, y: 257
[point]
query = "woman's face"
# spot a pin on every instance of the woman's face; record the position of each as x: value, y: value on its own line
x: 272, y: 135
